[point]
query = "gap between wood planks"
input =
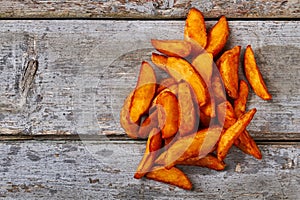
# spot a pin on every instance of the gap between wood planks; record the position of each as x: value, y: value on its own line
x: 150, y: 19
x: 124, y: 138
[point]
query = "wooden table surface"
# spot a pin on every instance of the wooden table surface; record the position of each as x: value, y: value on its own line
x: 60, y: 136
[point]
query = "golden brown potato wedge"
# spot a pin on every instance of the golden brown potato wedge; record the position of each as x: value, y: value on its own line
x: 148, y: 124
x: 240, y: 102
x: 188, y: 112
x: 217, y: 37
x: 218, y: 90
x: 246, y: 143
x: 154, y: 143
x: 172, y: 176
x: 203, y: 64
x: 168, y: 113
x: 131, y: 128
x: 177, y: 48
x: 159, y: 60
x: 165, y: 83
x: 193, y: 145
x: 210, y: 161
x: 228, y: 65
x: 226, y: 114
x: 180, y: 69
x: 232, y: 133
x: 195, y: 30
x: 254, y: 76
x: 144, y: 92
x: 209, y: 109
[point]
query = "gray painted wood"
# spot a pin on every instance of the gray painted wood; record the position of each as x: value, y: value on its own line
x: 86, y: 68
x: 148, y: 9
x: 104, y: 169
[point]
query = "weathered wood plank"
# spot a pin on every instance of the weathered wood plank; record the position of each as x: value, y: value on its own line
x: 148, y: 9
x: 99, y: 170
x: 86, y: 68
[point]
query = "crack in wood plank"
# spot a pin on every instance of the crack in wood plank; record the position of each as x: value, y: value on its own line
x: 27, y: 79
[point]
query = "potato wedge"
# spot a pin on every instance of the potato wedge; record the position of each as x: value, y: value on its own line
x: 228, y: 65
x: 246, y: 143
x: 240, y: 102
x: 254, y: 76
x: 218, y: 90
x: 193, y: 145
x: 217, y: 37
x: 180, y: 69
x: 159, y: 60
x: 148, y: 124
x: 167, y: 107
x: 144, y: 92
x: 172, y: 176
x: 188, y: 113
x: 232, y: 133
x: 209, y: 109
x: 131, y: 128
x: 177, y: 48
x: 195, y: 30
x: 154, y: 143
x: 226, y: 114
x: 210, y: 161
x: 203, y: 64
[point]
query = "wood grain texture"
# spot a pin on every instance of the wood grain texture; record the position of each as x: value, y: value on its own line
x: 104, y: 170
x: 87, y: 68
x: 148, y: 9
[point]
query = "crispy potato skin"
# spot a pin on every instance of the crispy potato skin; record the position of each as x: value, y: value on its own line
x: 188, y: 114
x: 195, y: 30
x: 228, y: 65
x: 246, y: 143
x: 172, y: 176
x: 177, y: 48
x: 203, y: 64
x: 210, y: 161
x: 218, y: 89
x: 254, y: 76
x: 131, y: 128
x: 193, y: 145
x: 226, y: 114
x: 159, y: 60
x: 217, y: 37
x: 180, y: 69
x: 232, y: 133
x: 168, y: 113
x: 240, y: 102
x: 143, y: 93
x: 154, y: 143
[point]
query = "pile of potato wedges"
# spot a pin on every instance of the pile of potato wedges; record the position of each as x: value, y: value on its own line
x: 197, y: 112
